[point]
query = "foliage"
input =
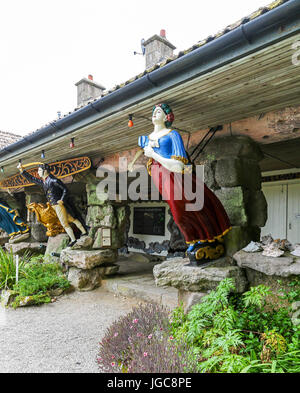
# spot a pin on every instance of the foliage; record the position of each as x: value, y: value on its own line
x: 235, y: 333
x: 38, y: 279
x: 35, y: 278
x: 293, y: 293
x: 8, y: 269
x: 146, y: 355
x: 137, y: 341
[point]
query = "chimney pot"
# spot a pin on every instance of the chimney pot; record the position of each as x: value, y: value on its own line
x: 90, y: 77
x: 163, y: 33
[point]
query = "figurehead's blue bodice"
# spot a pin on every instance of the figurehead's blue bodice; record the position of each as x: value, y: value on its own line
x: 170, y: 146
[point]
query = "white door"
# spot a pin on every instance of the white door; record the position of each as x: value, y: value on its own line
x: 293, y: 224
x: 276, y: 225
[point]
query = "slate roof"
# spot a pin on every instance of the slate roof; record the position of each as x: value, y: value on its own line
x: 227, y: 29
x: 7, y: 138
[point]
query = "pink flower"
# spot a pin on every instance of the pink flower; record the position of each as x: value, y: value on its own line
x: 131, y: 327
x: 115, y: 335
x: 145, y: 354
x: 171, y: 338
x: 113, y: 364
x: 150, y: 336
x: 135, y: 321
x: 138, y: 334
x: 112, y: 357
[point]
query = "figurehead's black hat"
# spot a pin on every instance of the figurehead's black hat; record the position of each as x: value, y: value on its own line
x: 45, y: 167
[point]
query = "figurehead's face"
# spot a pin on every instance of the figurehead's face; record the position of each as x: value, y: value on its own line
x: 158, y: 116
x: 42, y: 172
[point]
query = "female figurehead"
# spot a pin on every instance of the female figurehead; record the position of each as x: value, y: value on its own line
x: 204, y: 228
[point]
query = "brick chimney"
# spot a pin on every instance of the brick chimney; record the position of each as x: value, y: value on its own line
x: 158, y: 49
x: 87, y: 90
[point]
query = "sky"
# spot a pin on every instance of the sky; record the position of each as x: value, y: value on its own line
x: 47, y: 46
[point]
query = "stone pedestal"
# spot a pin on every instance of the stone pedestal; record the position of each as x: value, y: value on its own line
x: 56, y: 244
x: 21, y: 248
x: 3, y: 239
x: 174, y: 273
x: 87, y: 259
x: 88, y: 267
x: 268, y: 271
x: 38, y: 232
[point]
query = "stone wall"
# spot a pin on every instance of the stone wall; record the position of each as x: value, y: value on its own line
x: 103, y: 213
x: 37, y: 230
x: 231, y: 170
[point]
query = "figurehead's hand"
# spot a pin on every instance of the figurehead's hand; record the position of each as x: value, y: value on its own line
x: 60, y: 202
x: 130, y: 166
x: 20, y: 167
x: 148, y: 151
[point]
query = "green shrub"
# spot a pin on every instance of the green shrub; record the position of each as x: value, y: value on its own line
x: 40, y: 278
x: 240, y: 333
x: 8, y: 269
x: 35, y: 278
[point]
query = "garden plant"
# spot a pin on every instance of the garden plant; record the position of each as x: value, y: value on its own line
x: 36, y: 278
x: 225, y: 333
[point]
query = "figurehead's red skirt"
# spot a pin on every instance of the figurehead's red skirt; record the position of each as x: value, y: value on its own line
x: 208, y: 222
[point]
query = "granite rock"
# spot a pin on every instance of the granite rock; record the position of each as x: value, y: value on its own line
x: 296, y: 251
x: 87, y: 259
x: 273, y: 250
x: 174, y: 273
x: 234, y: 200
x: 21, y: 248
x: 19, y: 238
x: 7, y: 297
x: 57, y: 243
x: 85, y: 280
x: 270, y: 266
x: 188, y: 299
x: 83, y: 242
x: 253, y: 247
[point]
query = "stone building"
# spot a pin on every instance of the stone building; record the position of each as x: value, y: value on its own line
x: 245, y: 78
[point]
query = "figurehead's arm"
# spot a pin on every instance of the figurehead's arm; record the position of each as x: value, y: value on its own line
x: 135, y: 158
x: 30, y: 178
x: 63, y: 188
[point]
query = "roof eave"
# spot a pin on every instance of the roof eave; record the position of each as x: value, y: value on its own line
x: 267, y: 29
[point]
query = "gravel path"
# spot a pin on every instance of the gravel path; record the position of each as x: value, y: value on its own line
x: 58, y: 337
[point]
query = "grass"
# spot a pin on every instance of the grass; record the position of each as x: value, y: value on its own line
x: 36, y: 278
